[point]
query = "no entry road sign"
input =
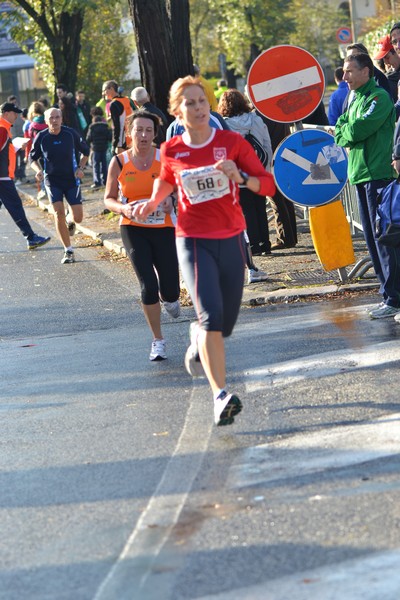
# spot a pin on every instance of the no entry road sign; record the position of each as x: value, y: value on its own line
x: 309, y: 168
x: 286, y: 83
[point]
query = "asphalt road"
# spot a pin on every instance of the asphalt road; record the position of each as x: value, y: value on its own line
x: 115, y: 484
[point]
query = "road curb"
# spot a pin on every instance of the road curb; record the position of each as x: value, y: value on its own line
x: 292, y: 294
x: 251, y: 298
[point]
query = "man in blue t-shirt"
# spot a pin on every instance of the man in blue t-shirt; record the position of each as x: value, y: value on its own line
x: 338, y: 97
x: 64, y: 155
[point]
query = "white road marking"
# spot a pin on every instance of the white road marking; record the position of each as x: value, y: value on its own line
x: 372, y: 577
x: 132, y: 576
x: 285, y: 84
x: 321, y: 365
x: 306, y: 453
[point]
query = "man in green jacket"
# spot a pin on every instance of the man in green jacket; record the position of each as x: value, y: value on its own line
x: 366, y: 129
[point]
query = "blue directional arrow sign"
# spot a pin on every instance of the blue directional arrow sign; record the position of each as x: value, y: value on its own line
x: 309, y: 169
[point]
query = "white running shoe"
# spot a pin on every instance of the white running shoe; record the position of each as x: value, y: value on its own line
x: 68, y: 257
x: 172, y: 308
x: 226, y: 406
x: 256, y: 275
x: 192, y: 358
x: 368, y: 309
x: 157, y: 351
x: 384, y: 312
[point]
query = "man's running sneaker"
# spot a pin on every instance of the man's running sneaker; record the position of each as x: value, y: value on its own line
x: 384, y: 312
x: 369, y: 309
x: 71, y: 228
x: 256, y: 275
x: 36, y: 241
x: 157, y: 351
x: 226, y: 406
x: 68, y: 258
x: 192, y: 358
x: 172, y: 308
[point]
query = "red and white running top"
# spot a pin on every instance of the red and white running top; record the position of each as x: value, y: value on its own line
x: 208, y: 200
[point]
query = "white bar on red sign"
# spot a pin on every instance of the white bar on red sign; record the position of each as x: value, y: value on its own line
x: 285, y: 84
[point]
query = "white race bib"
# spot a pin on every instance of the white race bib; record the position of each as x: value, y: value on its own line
x: 155, y: 218
x: 204, y: 184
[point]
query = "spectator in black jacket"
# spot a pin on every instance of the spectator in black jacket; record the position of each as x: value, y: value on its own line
x: 98, y: 138
x: 141, y: 99
x: 83, y: 112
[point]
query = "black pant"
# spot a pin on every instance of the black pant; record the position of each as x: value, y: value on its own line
x: 254, y: 210
x: 213, y: 270
x: 13, y: 203
x: 152, y: 252
x: 20, y: 164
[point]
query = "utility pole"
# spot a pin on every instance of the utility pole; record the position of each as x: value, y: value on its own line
x: 353, y: 18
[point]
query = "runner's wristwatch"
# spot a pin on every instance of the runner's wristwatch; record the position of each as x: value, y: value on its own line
x: 244, y: 176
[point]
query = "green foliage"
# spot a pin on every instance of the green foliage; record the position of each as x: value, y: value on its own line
x: 370, y: 39
x: 236, y: 28
x: 205, y: 41
x: 316, y: 24
x: 243, y: 28
x: 44, y: 24
x: 105, y: 49
x: 28, y: 36
x: 251, y: 24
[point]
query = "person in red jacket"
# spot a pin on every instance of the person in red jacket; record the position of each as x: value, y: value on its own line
x: 8, y: 192
x: 208, y: 165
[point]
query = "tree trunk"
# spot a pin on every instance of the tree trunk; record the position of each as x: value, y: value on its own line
x: 66, y: 51
x: 62, y: 31
x: 179, y: 11
x: 163, y: 44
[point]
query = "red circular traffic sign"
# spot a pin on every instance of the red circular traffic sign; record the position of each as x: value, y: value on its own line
x: 286, y: 83
x: 344, y: 35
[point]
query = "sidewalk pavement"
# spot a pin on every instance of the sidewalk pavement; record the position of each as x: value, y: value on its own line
x: 294, y: 274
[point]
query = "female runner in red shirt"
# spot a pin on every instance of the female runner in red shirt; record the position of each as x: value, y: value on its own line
x: 207, y: 166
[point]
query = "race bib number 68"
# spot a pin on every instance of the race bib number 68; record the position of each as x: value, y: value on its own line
x: 204, y: 184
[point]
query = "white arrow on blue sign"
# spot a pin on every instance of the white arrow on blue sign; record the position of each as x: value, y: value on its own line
x: 309, y: 168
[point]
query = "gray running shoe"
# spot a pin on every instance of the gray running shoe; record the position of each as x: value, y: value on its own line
x: 255, y: 276
x: 172, y: 308
x: 384, y: 312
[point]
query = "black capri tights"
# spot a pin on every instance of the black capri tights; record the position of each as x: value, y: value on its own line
x: 152, y: 252
x: 213, y: 271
